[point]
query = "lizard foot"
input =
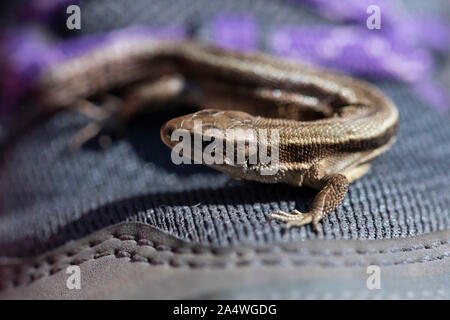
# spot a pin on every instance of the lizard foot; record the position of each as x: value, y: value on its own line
x: 101, y: 118
x: 296, y: 218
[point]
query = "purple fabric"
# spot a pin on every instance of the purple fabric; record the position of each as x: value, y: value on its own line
x: 238, y: 32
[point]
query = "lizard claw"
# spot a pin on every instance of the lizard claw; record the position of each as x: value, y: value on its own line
x: 296, y: 219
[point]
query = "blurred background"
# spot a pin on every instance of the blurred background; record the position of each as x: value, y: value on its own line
x: 411, y: 46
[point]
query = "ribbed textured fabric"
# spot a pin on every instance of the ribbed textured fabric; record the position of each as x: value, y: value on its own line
x: 50, y: 195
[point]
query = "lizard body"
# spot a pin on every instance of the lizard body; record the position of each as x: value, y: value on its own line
x: 330, y: 126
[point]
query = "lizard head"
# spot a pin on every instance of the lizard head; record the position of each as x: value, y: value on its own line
x: 220, y: 139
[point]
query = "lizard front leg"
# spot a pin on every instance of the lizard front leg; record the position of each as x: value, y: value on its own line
x: 334, y: 189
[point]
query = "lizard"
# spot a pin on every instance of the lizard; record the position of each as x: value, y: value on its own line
x: 331, y: 126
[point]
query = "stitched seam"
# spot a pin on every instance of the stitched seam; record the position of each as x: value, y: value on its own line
x: 194, y: 265
x: 121, y: 253
x: 216, y: 251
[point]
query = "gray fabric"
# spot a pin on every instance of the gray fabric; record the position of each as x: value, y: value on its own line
x: 134, y: 260
x: 104, y: 15
x: 49, y: 195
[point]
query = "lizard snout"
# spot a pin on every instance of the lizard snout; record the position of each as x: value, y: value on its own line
x: 201, y: 123
x: 167, y: 130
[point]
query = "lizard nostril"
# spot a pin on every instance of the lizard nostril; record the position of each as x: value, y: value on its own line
x: 166, y: 134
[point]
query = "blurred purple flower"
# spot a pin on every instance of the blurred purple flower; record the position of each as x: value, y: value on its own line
x: 433, y: 94
x: 354, y: 10
x: 231, y: 31
x: 43, y: 10
x: 27, y: 53
x: 419, y: 30
x: 432, y: 33
x: 353, y: 50
x: 401, y: 50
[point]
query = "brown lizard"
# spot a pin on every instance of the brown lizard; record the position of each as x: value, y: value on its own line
x: 330, y: 126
